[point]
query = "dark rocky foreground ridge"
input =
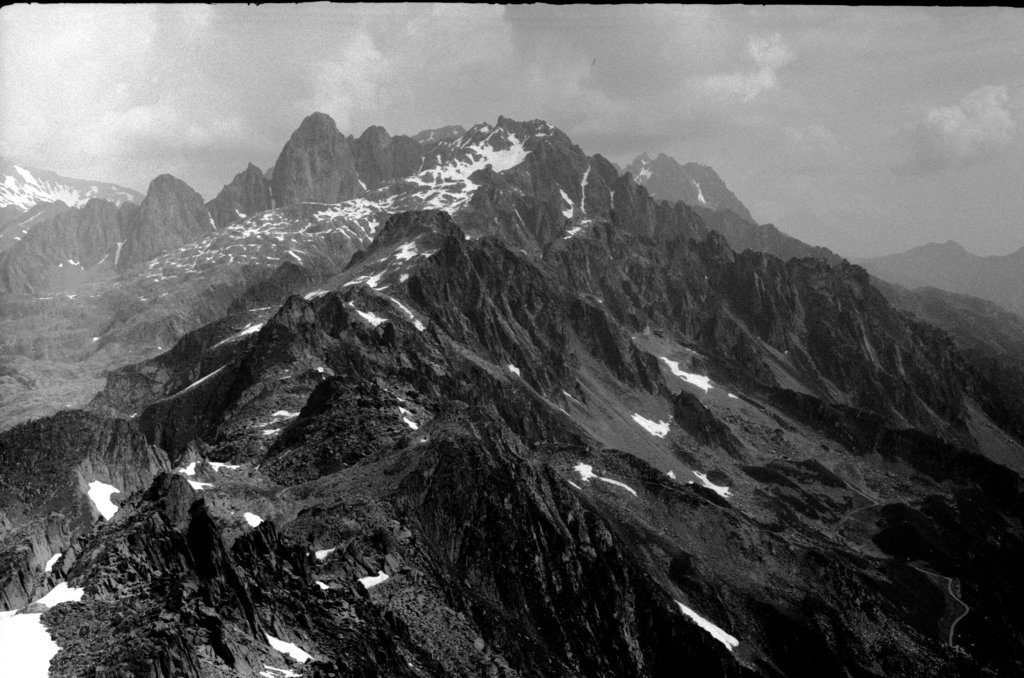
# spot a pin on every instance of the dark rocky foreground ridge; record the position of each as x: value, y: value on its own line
x: 554, y: 421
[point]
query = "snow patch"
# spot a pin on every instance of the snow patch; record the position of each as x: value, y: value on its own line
x: 407, y: 419
x: 658, y: 429
x: 671, y: 474
x: 52, y: 561
x: 407, y: 251
x: 700, y: 194
x: 716, y: 632
x: 323, y: 586
x: 290, y: 649
x: 253, y: 519
x: 252, y: 328
x: 199, y: 381
x: 196, y: 485
x: 26, y: 647
x: 277, y: 673
x: 189, y: 470
x: 100, y: 493
x: 586, y: 472
x: 321, y: 555
x: 567, y: 212
x: 61, y: 593
x: 697, y: 380
x: 514, y: 370
x: 371, y: 318
x: 218, y: 465
x: 721, y: 490
x: 583, y: 191
x: 418, y: 324
x: 369, y: 582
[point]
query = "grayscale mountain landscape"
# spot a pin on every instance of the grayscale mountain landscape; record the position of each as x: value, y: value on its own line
x: 511, y: 341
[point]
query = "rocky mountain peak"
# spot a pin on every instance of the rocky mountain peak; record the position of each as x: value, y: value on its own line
x: 247, y: 194
x: 375, y: 135
x: 315, y: 165
x: 168, y: 185
x: 317, y: 123
x: 696, y: 185
x: 171, y: 215
x: 381, y: 158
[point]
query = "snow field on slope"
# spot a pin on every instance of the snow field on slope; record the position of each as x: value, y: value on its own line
x: 716, y: 632
x: 586, y: 472
x: 100, y: 493
x: 696, y: 379
x: 290, y: 649
x: 658, y: 429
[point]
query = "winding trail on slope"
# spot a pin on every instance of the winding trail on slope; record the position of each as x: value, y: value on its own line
x: 951, y: 584
x: 953, y: 594
x: 839, y: 523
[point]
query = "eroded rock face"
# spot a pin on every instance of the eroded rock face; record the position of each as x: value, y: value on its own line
x: 381, y: 158
x: 170, y: 597
x: 316, y: 165
x: 49, y: 465
x: 171, y: 215
x: 247, y: 194
x: 73, y: 246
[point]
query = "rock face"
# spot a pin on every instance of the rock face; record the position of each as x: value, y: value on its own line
x: 15, y: 223
x: 74, y: 245
x: 696, y: 185
x: 48, y: 467
x: 381, y: 158
x: 248, y: 193
x: 171, y: 215
x: 316, y: 165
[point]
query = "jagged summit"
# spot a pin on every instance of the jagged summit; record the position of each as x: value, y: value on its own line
x: 696, y: 185
x: 171, y: 215
x: 315, y: 165
x: 248, y: 193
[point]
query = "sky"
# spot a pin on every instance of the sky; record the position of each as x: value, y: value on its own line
x: 867, y: 130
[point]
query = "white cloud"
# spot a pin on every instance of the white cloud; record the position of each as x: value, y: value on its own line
x: 978, y: 127
x: 815, y: 146
x: 349, y: 82
x: 769, y: 54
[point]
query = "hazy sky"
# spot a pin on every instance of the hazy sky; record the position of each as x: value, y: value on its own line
x: 868, y: 130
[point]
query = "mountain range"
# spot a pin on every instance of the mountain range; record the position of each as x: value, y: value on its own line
x: 948, y: 266
x: 473, y: 402
x: 29, y: 196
